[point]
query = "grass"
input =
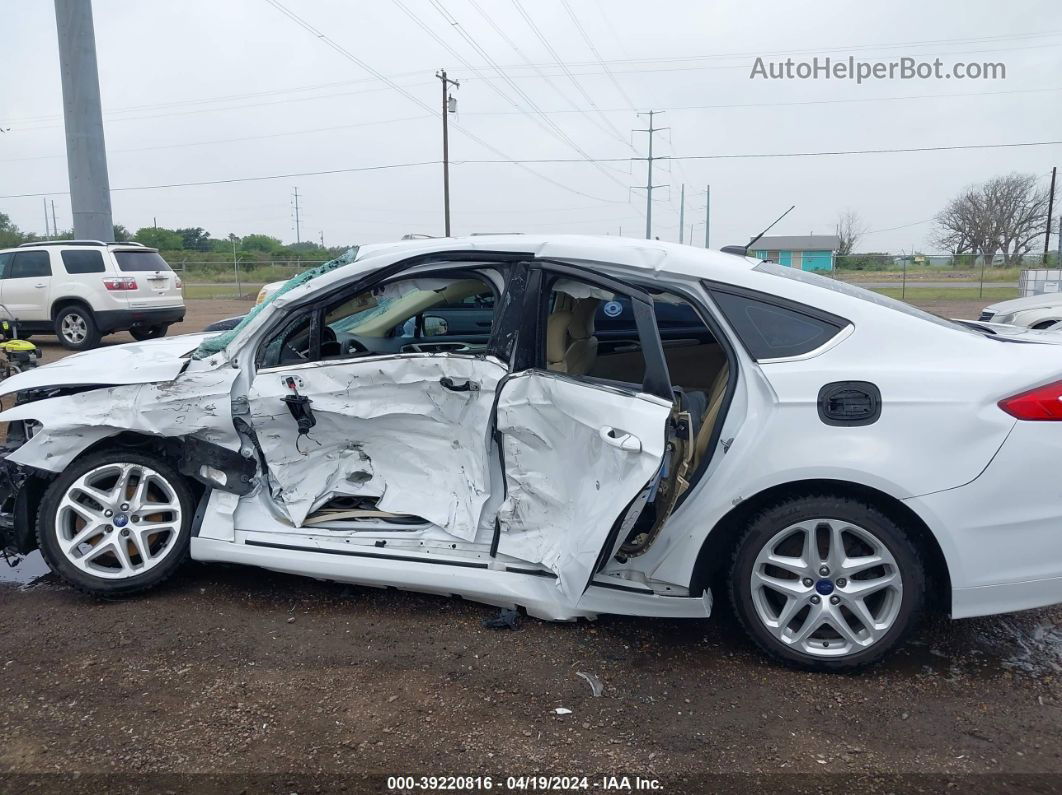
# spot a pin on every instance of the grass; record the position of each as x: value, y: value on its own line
x: 948, y: 293
x: 931, y: 275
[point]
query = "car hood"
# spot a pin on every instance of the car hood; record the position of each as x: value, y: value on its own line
x: 1028, y: 302
x: 114, y: 365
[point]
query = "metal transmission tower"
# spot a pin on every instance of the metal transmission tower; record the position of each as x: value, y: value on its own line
x: 649, y: 186
x: 295, y: 204
x: 449, y: 105
x: 86, y: 152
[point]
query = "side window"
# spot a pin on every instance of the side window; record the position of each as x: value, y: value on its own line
x: 25, y: 264
x: 75, y: 261
x: 425, y: 314
x: 771, y: 331
x: 5, y: 263
x: 571, y: 342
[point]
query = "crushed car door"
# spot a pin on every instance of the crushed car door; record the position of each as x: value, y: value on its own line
x: 346, y: 403
x: 581, y: 454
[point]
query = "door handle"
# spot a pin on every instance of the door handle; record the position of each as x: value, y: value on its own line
x: 40, y: 285
x: 621, y: 439
x: 468, y: 386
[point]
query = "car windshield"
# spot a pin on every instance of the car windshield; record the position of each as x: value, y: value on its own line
x: 862, y: 294
x: 140, y: 261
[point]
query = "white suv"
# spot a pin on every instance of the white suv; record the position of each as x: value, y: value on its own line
x: 80, y: 290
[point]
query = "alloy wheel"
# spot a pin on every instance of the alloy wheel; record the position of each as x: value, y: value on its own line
x: 74, y: 329
x: 826, y: 587
x: 118, y: 520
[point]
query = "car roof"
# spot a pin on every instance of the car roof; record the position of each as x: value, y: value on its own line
x: 115, y: 246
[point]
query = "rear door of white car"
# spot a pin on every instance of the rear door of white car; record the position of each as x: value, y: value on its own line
x: 26, y: 278
x: 580, y: 453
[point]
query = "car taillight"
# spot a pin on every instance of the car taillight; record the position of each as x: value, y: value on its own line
x: 178, y: 282
x: 1042, y: 403
x: 120, y: 283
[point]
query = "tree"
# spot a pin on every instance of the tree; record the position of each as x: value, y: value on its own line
x: 1005, y: 215
x: 10, y: 235
x: 263, y: 243
x: 850, y: 228
x: 121, y: 234
x: 195, y: 238
x: 158, y: 237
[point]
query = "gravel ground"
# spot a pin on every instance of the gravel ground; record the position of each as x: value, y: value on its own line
x: 317, y: 686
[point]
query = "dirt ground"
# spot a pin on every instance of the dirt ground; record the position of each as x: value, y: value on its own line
x: 315, y: 686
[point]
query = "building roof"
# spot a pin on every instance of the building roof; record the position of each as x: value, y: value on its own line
x: 798, y: 243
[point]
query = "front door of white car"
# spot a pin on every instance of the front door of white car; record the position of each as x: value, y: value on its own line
x: 26, y: 277
x: 356, y: 401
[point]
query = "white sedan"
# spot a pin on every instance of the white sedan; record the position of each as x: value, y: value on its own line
x: 1034, y: 311
x: 570, y: 425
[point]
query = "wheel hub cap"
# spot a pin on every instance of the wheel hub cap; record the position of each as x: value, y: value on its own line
x: 103, y: 500
x: 864, y: 586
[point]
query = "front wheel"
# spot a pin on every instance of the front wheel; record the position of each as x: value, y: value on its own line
x: 116, y: 523
x: 826, y: 583
x: 142, y: 333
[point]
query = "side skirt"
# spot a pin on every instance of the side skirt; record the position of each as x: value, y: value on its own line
x: 473, y: 580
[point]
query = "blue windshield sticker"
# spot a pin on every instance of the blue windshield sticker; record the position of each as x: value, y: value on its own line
x: 613, y: 309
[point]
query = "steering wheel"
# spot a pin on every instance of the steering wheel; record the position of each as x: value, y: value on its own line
x: 299, y: 347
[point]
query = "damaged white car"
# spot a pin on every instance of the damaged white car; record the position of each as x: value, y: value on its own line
x: 570, y: 425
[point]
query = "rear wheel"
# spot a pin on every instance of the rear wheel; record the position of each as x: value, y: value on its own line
x: 76, y: 328
x: 148, y: 332
x: 826, y: 583
x: 116, y: 523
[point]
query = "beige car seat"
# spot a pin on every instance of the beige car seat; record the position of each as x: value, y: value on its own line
x: 571, y: 346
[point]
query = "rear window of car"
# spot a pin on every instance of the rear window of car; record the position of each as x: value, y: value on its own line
x: 83, y: 261
x: 131, y: 261
x: 852, y: 291
x: 770, y: 329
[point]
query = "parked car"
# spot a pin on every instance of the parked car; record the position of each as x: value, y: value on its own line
x: 831, y: 462
x: 1033, y: 311
x: 80, y: 290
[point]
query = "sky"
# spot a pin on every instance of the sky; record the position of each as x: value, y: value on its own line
x: 213, y: 90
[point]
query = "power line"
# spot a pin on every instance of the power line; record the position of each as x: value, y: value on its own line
x: 597, y: 55
x: 411, y: 97
x: 574, y: 106
x: 541, y: 119
x: 559, y: 160
x: 558, y: 62
x: 724, y: 106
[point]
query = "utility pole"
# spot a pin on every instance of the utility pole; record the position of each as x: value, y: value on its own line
x: 707, y: 212
x: 86, y: 151
x: 55, y: 226
x: 449, y: 105
x: 322, y: 239
x: 682, y: 213
x: 298, y: 238
x: 47, y: 234
x: 649, y: 178
x: 1050, y: 213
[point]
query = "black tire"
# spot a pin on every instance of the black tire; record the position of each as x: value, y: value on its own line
x: 775, y: 519
x: 47, y: 527
x: 142, y: 333
x: 76, y: 328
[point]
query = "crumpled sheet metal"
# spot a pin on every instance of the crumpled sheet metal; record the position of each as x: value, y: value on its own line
x: 385, y: 429
x: 566, y: 487
x: 195, y: 404
x: 132, y: 363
